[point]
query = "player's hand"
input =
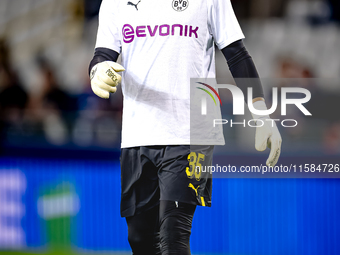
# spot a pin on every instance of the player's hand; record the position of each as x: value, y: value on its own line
x: 104, y: 78
x: 267, y: 135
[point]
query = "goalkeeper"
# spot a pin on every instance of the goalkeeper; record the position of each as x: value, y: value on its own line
x: 163, y: 44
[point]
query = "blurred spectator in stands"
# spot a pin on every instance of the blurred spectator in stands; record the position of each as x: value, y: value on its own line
x: 322, y: 100
x: 99, y: 120
x: 52, y: 106
x: 331, y: 139
x: 294, y: 73
x: 299, y: 75
x: 260, y: 8
x: 52, y: 95
x: 13, y: 97
x: 289, y: 68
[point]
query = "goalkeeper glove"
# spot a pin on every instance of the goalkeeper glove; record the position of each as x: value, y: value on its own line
x: 104, y: 78
x: 267, y: 135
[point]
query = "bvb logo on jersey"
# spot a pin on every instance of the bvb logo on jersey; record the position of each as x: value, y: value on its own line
x: 180, y: 5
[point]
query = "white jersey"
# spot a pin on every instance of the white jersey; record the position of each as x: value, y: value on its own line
x: 163, y: 44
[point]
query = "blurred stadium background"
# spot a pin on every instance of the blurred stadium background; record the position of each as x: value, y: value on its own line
x: 59, y: 143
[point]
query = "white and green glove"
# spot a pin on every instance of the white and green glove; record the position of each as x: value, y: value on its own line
x: 267, y: 135
x: 104, y: 78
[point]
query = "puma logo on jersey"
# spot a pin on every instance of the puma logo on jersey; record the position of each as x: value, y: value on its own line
x: 192, y: 186
x: 135, y: 5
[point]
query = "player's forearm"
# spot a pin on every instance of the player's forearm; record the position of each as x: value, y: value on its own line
x: 101, y: 55
x: 243, y: 70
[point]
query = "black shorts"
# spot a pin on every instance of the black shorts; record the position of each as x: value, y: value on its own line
x: 174, y: 173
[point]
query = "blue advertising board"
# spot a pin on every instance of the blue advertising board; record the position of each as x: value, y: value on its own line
x: 76, y: 203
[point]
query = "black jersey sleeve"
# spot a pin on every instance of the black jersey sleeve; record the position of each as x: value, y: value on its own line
x: 241, y: 65
x: 101, y: 55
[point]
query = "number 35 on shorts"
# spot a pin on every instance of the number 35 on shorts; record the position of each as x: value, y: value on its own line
x: 195, y: 165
